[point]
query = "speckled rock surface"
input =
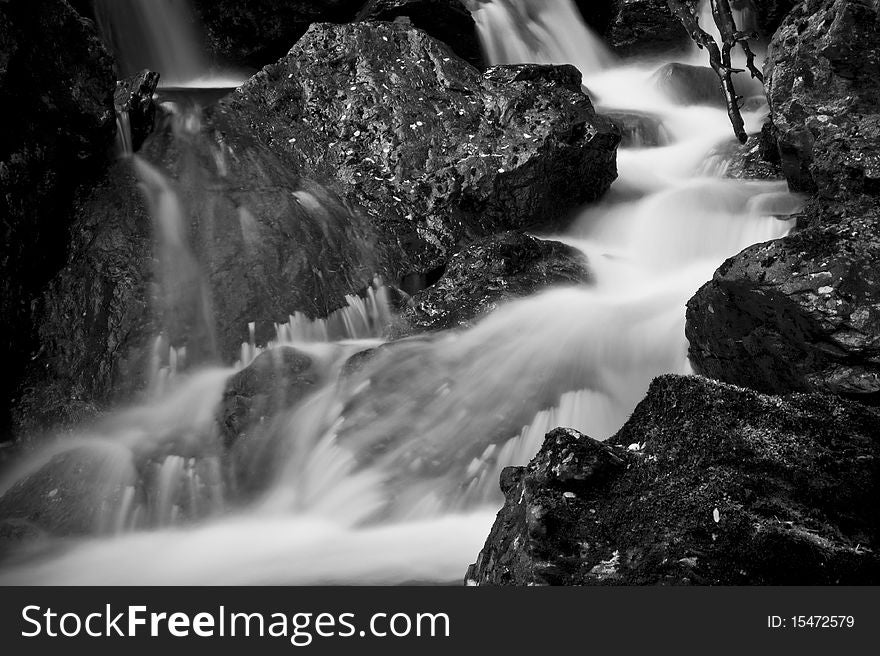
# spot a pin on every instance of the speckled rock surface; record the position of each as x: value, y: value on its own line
x: 823, y: 84
x: 706, y: 484
x: 800, y: 313
x: 433, y: 152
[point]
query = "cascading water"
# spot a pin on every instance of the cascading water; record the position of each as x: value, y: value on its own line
x: 546, y: 31
x: 390, y: 473
x: 163, y: 36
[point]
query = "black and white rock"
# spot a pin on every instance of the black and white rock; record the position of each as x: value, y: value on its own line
x: 56, y: 81
x: 798, y: 314
x: 823, y: 85
x: 488, y: 272
x: 706, y: 484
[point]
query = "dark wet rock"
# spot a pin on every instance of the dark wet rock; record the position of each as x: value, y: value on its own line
x: 93, y: 321
x: 434, y: 153
x: 56, y: 81
x: 259, y: 243
x: 763, y: 16
x: 258, y: 32
x: 134, y: 99
x: 598, y: 14
x: 801, y: 313
x: 62, y: 498
x: 448, y: 21
x: 489, y: 272
x: 644, y: 27
x: 706, y: 484
x: 689, y: 85
x: 639, y: 129
x: 823, y: 85
x: 275, y: 381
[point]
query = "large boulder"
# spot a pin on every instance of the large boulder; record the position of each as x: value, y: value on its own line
x: 434, y: 153
x: 823, y: 84
x: 800, y: 313
x: 57, y: 82
x: 705, y: 484
x: 488, y: 272
x: 448, y: 21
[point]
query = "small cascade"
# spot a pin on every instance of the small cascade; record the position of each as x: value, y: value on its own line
x: 362, y: 318
x: 541, y: 31
x: 160, y: 35
x: 124, y: 145
x: 184, y: 298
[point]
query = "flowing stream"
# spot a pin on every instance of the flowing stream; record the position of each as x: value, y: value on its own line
x: 390, y: 475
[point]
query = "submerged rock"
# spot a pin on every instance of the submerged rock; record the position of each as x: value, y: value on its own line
x: 706, y: 484
x: 434, y: 153
x: 686, y: 84
x: 823, y: 85
x: 448, y: 21
x: 639, y: 129
x: 56, y: 81
x: 134, y: 100
x: 275, y: 381
x: 488, y: 272
x: 71, y: 494
x: 798, y: 314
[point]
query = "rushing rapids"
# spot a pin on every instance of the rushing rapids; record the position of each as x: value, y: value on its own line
x: 389, y: 474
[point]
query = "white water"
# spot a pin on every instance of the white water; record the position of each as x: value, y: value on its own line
x: 392, y: 475
x: 545, y: 31
x: 163, y: 36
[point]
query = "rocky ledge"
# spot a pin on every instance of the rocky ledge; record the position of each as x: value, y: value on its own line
x: 705, y: 484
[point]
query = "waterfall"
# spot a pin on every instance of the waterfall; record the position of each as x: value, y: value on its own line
x: 547, y: 31
x: 390, y: 474
x: 162, y: 36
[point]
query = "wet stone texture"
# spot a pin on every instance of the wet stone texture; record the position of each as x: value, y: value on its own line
x: 432, y: 151
x: 488, y: 272
x: 705, y: 484
x: 823, y: 84
x: 800, y: 313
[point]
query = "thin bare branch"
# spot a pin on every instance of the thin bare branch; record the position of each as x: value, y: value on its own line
x: 720, y: 56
